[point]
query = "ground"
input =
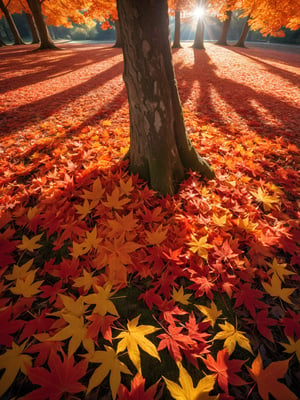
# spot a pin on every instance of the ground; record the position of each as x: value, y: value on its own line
x: 93, y: 261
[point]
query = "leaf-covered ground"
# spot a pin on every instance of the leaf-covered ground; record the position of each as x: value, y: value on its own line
x: 108, y: 289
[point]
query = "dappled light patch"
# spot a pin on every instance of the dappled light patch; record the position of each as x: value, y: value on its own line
x: 107, y: 288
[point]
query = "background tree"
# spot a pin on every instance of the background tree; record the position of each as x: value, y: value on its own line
x: 199, y: 34
x: 6, y: 12
x: 225, y: 28
x: 160, y: 150
x: 244, y: 33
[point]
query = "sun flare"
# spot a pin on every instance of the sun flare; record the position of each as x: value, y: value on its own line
x: 199, y: 12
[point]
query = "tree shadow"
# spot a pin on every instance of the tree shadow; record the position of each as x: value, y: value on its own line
x: 282, y: 72
x: 234, y: 97
x: 36, y: 111
x: 42, y: 66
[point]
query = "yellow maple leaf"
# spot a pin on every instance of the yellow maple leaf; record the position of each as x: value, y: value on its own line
x: 247, y: 225
x: 19, y: 272
x: 72, y: 306
x: 232, y: 336
x: 122, y: 224
x: 109, y: 363
x: 101, y: 299
x: 135, y: 337
x: 200, y: 246
x: 180, y: 296
x: 292, y: 347
x: 279, y: 269
x: 211, y: 313
x: 186, y: 390
x: 114, y: 201
x: 13, y: 360
x: 77, y: 331
x: 95, y: 195
x: 157, y: 236
x: 86, y: 281
x: 30, y: 244
x: 126, y: 187
x: 219, y: 221
x: 267, y: 200
x: 27, y: 287
x: 83, y: 210
x: 274, y: 289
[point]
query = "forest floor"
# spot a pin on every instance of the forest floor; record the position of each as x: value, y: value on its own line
x: 107, y: 286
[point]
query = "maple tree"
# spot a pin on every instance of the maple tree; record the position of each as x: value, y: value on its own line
x: 7, y: 13
x: 110, y: 289
x: 160, y: 150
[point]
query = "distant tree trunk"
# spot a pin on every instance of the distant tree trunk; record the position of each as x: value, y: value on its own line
x: 176, y: 42
x: 160, y: 151
x: 225, y: 28
x: 32, y: 26
x: 36, y: 10
x: 118, y: 43
x: 241, y: 41
x: 17, y: 38
x: 199, y: 35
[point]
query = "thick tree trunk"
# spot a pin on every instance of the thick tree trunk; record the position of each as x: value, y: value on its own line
x: 225, y: 28
x: 176, y: 42
x: 119, y: 42
x: 1, y: 43
x: 241, y: 41
x: 36, y: 10
x: 199, y: 35
x: 33, y: 29
x: 160, y: 151
x: 17, y: 38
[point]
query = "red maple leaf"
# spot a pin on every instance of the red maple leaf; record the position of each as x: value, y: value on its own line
x: 137, y: 390
x: 39, y: 324
x: 249, y: 298
x: 225, y: 369
x: 100, y: 323
x: 8, y: 326
x: 291, y: 323
x: 61, y: 379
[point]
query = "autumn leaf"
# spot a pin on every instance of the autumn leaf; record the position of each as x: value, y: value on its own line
x: 186, y: 390
x: 200, y: 246
x: 30, y: 244
x: 232, y: 336
x: 267, y: 379
x: 95, y: 195
x: 265, y: 199
x: 20, y: 272
x: 76, y: 330
x: 292, y: 347
x: 61, y: 378
x: 101, y: 300
x: 156, y: 236
x: 110, y: 363
x: 13, y: 360
x: 86, y: 281
x: 279, y: 269
x: 114, y: 200
x: 225, y: 369
x: 137, y: 392
x: 83, y: 210
x: 211, y: 313
x: 133, y: 338
x: 180, y: 297
x: 27, y: 287
x: 275, y: 289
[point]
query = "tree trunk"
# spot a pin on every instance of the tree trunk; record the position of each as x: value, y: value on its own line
x: 1, y: 43
x: 32, y: 26
x: 176, y: 42
x: 225, y: 28
x: 36, y: 10
x: 119, y: 42
x: 241, y: 41
x: 199, y: 35
x: 160, y: 151
x: 17, y: 38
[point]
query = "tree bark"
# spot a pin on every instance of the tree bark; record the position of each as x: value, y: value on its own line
x: 225, y: 28
x: 241, y: 41
x: 199, y: 35
x: 17, y: 38
x: 176, y: 42
x: 33, y: 29
x: 1, y: 43
x: 160, y: 150
x: 119, y: 42
x: 36, y: 10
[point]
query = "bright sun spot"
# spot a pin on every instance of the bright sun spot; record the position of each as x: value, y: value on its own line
x: 199, y: 12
